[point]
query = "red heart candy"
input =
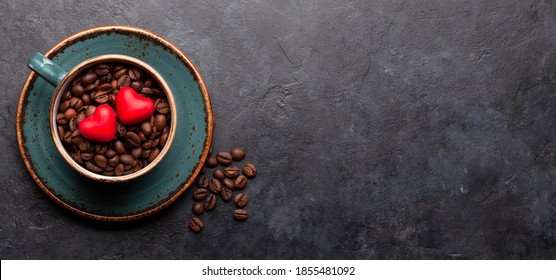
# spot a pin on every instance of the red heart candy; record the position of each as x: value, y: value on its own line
x: 100, y: 126
x: 133, y: 108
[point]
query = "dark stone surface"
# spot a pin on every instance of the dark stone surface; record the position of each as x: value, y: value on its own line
x: 381, y: 129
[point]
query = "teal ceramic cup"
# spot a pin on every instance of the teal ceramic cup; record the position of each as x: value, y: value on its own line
x: 62, y: 80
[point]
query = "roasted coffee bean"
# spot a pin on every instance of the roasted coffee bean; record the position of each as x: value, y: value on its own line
x: 119, y: 147
x: 229, y: 183
x: 88, y: 78
x: 241, y: 214
x: 127, y: 167
x: 147, y: 144
x: 154, y: 154
x: 69, y: 114
x: 215, y: 186
x: 148, y: 82
x: 80, y: 117
x: 105, y: 87
x: 101, y: 97
x: 127, y: 159
x: 218, y: 174
x: 106, y: 79
x: 90, y: 88
x: 162, y: 106
x: 108, y: 173
x: 66, y: 95
x: 101, y: 148
x: 102, y: 69
x: 124, y: 81
x: 92, y: 167
x: 162, y: 140
x: 198, y: 208
x: 119, y: 170
x: 226, y: 194
x: 146, y: 154
x: 120, y: 129
x: 87, y: 156
x: 77, y: 157
x: 146, y: 91
x: 75, y: 137
x: 113, y: 161
x: 210, y: 202
x: 224, y: 158
x: 203, y: 182
x: 120, y: 73
x: 136, y: 153
x: 109, y: 168
x: 157, y: 92
x: 71, y: 124
x: 249, y: 170
x: 84, y: 145
x: 101, y: 161
x: 146, y: 128
x: 211, y: 162
x: 241, y: 182
x: 134, y: 73
x: 241, y: 200
x: 231, y: 172
x: 141, y: 135
x: 160, y: 121
x: 132, y: 139
x: 238, y: 154
x: 136, y: 85
x: 61, y: 131
x: 110, y: 153
x: 75, y: 103
x: 64, y: 106
x: 86, y: 99
x: 67, y: 136
x: 77, y: 90
x: 200, y: 194
x: 196, y: 225
x: 60, y: 119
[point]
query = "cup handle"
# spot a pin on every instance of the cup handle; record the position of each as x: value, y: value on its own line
x: 47, y: 69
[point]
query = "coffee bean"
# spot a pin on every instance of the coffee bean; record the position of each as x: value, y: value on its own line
x: 136, y: 153
x: 154, y: 154
x: 72, y: 126
x: 198, y: 208
x: 124, y: 81
x: 66, y: 95
x: 218, y: 174
x: 101, y: 148
x: 132, y: 139
x: 75, y: 103
x: 90, y: 88
x: 231, y: 171
x: 101, y: 161
x: 77, y: 90
x: 160, y: 121
x: 80, y: 117
x: 69, y: 114
x: 215, y: 186
x: 119, y: 147
x: 87, y: 156
x: 238, y: 154
x: 109, y: 168
x: 148, y: 82
x: 120, y: 129
x: 105, y: 87
x: 147, y: 144
x: 110, y: 153
x: 226, y: 194
x: 241, y: 182
x: 64, y: 106
x: 241, y: 214
x: 200, y: 194
x: 119, y: 170
x: 224, y: 158
x: 113, y: 161
x: 136, y: 85
x: 75, y: 137
x: 229, y: 183
x: 119, y: 73
x: 146, y: 91
x: 146, y: 154
x: 92, y: 167
x: 77, y: 157
x: 162, y: 140
x: 127, y: 167
x: 162, y: 106
x: 210, y: 202
x: 249, y: 170
x: 196, y: 225
x: 84, y: 145
x: 101, y: 97
x: 61, y: 131
x: 157, y: 92
x: 146, y: 128
x: 211, y: 162
x: 86, y: 99
x: 102, y: 69
x: 61, y: 119
x: 88, y: 78
x: 203, y: 182
x: 134, y: 73
x: 108, y: 173
x: 241, y: 200
x: 127, y: 159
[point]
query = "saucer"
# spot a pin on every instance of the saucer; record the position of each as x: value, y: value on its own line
x: 159, y: 187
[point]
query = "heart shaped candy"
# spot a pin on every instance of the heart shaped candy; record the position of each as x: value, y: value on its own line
x: 133, y: 108
x: 100, y: 126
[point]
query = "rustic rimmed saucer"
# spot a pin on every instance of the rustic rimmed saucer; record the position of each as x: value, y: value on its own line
x: 153, y: 191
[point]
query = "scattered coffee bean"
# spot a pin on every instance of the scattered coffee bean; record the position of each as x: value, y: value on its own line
x: 241, y: 182
x: 134, y: 73
x: 229, y: 183
x: 226, y: 194
x: 215, y: 186
x: 196, y: 225
x: 211, y: 161
x: 200, y: 194
x: 231, y: 171
x: 238, y: 154
x: 210, y: 202
x: 241, y: 200
x: 218, y: 174
x: 204, y: 182
x: 198, y: 208
x: 249, y: 170
x: 241, y: 214
x: 224, y: 158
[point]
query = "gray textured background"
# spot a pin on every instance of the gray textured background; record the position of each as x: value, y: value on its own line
x: 381, y: 129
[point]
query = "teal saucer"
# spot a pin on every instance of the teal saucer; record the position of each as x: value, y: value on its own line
x: 163, y: 184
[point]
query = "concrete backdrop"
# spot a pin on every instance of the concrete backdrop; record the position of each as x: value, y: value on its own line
x: 381, y: 129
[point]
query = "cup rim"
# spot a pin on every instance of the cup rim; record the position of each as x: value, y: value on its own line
x: 56, y: 100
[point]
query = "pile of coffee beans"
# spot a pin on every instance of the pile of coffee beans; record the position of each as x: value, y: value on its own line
x: 134, y: 146
x: 223, y: 183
